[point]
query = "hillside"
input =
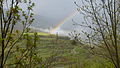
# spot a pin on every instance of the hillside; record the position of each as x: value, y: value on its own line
x: 57, y: 52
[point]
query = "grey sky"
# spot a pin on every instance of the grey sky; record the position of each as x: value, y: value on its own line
x: 49, y: 13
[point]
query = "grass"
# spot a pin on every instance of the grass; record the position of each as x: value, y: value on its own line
x: 64, y: 48
x: 70, y: 56
x: 39, y: 33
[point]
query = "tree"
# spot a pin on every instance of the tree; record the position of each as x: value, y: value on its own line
x: 11, y: 14
x: 102, y: 18
x: 74, y: 37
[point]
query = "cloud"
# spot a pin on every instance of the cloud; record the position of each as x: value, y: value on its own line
x: 61, y: 32
x: 40, y: 29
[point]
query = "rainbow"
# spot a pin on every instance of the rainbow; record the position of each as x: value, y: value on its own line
x: 63, y: 21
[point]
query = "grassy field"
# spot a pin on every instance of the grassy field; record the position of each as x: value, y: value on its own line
x: 39, y: 33
x: 60, y: 53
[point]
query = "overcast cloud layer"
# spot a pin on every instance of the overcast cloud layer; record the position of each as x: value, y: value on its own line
x: 49, y: 13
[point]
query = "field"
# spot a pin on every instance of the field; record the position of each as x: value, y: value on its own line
x: 59, y: 52
x: 54, y: 52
